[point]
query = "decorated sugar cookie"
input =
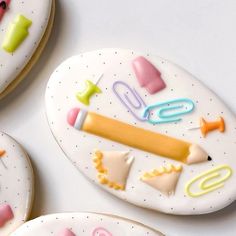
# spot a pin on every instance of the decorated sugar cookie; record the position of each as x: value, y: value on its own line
x: 25, y: 27
x: 16, y: 185
x: 145, y: 130
x: 83, y: 224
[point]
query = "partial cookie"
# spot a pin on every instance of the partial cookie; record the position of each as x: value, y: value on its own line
x: 16, y: 185
x: 83, y: 224
x: 25, y: 27
x: 125, y: 119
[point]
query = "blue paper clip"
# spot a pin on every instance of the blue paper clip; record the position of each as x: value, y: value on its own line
x: 164, y: 113
x: 126, y: 101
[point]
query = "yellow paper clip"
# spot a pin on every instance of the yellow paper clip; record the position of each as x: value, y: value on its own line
x: 209, y: 180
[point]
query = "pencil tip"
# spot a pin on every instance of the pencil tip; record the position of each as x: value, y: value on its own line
x: 209, y: 158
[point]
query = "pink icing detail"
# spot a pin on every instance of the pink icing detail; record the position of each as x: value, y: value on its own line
x: 72, y: 115
x: 148, y: 75
x: 101, y: 232
x: 2, y: 11
x: 6, y: 214
x: 66, y: 232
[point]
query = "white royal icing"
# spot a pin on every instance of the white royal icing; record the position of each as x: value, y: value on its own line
x: 83, y: 224
x: 11, y: 64
x: 115, y: 65
x: 16, y: 183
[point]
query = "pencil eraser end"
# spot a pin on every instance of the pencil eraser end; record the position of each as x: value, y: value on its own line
x: 72, y: 115
x: 6, y: 214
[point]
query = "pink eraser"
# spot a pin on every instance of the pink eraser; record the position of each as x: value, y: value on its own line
x: 66, y: 232
x: 72, y: 115
x: 148, y: 75
x: 3, y: 7
x: 6, y: 214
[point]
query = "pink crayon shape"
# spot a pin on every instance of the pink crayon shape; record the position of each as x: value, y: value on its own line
x: 66, y: 232
x: 6, y: 214
x: 3, y: 7
x: 148, y: 75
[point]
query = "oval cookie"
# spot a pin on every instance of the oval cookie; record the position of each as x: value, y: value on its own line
x: 127, y: 121
x: 25, y: 27
x: 83, y: 224
x: 16, y: 185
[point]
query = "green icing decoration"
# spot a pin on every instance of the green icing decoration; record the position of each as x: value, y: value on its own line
x: 16, y: 34
x: 89, y: 91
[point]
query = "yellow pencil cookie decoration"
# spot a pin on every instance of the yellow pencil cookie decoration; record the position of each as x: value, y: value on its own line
x: 113, y: 168
x: 145, y: 140
x: 164, y: 179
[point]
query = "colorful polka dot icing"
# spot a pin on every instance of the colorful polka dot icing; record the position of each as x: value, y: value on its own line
x: 16, y: 185
x: 153, y: 136
x: 22, y: 26
x: 83, y: 224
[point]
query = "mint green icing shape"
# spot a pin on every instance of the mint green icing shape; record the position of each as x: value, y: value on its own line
x: 16, y: 34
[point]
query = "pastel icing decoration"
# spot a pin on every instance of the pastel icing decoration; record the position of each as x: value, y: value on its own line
x: 133, y: 105
x: 89, y: 91
x: 148, y: 75
x: 109, y: 125
x: 163, y: 179
x: 101, y: 232
x: 66, y: 232
x: 3, y: 7
x: 17, y: 33
x: 113, y: 168
x: 207, y: 127
x: 169, y: 111
x: 84, y: 224
x: 133, y: 136
x: 209, y: 181
x: 6, y: 214
x: 2, y: 152
x: 16, y: 185
x: 25, y: 30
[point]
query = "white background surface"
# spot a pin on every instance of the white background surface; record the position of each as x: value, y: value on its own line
x: 198, y: 35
